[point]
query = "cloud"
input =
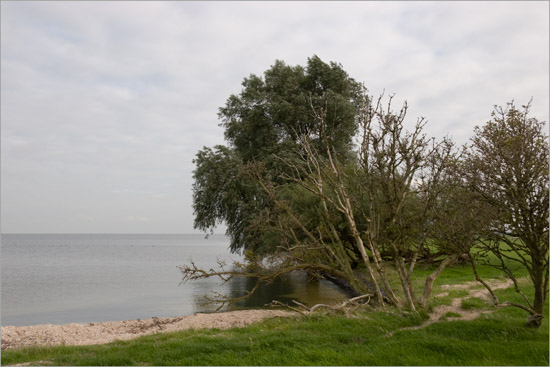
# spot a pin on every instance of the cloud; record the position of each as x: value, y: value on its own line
x: 132, y: 218
x: 106, y: 96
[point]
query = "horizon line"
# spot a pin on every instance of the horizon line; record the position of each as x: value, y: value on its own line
x: 110, y: 233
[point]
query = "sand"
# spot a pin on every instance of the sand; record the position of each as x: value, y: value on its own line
x: 106, y: 332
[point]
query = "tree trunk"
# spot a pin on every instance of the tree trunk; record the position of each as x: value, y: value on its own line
x: 379, y: 268
x: 402, y: 271
x: 538, y: 275
x: 478, y: 278
x: 343, y: 284
x: 538, y: 282
x: 377, y: 292
x: 431, y: 279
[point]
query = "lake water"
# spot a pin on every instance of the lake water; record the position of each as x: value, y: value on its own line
x: 59, y: 279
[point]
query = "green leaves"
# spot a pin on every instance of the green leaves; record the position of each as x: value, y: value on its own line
x: 270, y: 112
x: 223, y: 192
x: 262, y: 124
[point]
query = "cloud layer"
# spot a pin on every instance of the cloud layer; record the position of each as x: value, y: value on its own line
x: 104, y: 104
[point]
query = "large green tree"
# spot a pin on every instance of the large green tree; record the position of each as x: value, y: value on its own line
x: 262, y: 124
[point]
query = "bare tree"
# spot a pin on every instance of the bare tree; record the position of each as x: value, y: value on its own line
x: 507, y: 169
x: 403, y: 172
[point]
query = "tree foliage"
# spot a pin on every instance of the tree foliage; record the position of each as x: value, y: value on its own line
x: 271, y: 112
x: 506, y: 169
x: 263, y: 122
x: 298, y: 193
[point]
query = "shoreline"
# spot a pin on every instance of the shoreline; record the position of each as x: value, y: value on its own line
x: 109, y: 331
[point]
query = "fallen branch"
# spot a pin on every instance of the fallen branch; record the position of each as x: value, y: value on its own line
x: 355, y: 299
x: 304, y: 310
x: 281, y: 304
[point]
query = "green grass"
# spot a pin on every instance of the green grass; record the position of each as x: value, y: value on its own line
x: 451, y: 314
x: 500, y: 338
x: 447, y: 300
x: 371, y: 338
x: 471, y: 303
x: 453, y: 275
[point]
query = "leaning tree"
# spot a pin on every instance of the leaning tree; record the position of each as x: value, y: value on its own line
x: 328, y: 210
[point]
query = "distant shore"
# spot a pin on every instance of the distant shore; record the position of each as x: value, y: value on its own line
x: 106, y: 332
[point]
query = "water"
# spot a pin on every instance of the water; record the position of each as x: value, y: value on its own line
x: 91, y: 278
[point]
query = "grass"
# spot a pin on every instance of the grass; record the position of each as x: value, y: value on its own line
x: 451, y: 314
x: 447, y: 300
x: 498, y: 339
x: 453, y: 275
x: 371, y: 338
x: 376, y: 338
x: 474, y: 302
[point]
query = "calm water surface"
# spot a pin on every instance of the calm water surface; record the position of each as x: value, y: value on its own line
x: 90, y: 278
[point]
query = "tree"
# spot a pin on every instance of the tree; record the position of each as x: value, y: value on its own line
x: 403, y: 172
x: 261, y: 123
x: 455, y: 218
x: 506, y: 168
x: 327, y: 210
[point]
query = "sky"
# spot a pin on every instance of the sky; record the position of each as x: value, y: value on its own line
x: 105, y: 104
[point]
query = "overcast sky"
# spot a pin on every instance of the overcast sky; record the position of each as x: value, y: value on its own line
x: 105, y: 104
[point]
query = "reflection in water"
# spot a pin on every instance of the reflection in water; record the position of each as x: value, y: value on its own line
x: 285, y: 289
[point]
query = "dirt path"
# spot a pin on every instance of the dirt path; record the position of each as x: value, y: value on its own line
x: 106, y: 332
x: 455, y: 306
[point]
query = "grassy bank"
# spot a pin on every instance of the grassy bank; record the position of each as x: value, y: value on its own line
x: 370, y: 338
x: 379, y: 338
